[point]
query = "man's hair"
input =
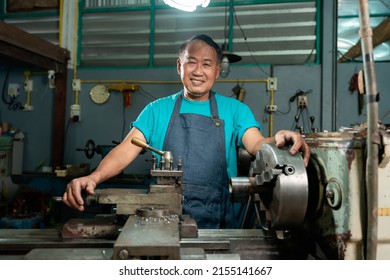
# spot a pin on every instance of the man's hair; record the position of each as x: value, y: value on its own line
x: 206, y: 39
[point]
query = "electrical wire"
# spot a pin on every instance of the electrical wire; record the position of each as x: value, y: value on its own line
x: 265, y: 115
x: 147, y: 94
x: 288, y: 111
x: 124, y: 122
x: 384, y: 116
x: 141, y: 90
x: 296, y: 119
x: 43, y: 95
x: 302, y: 113
x: 385, y: 4
x: 13, y: 103
x: 349, y: 59
x: 310, y: 54
x: 311, y: 119
x: 4, y: 85
x: 226, y: 24
x: 246, y: 43
x: 305, y: 121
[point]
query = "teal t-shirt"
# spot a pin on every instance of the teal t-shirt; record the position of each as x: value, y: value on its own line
x: 153, y: 122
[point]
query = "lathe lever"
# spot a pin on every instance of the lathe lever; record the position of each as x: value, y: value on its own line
x: 138, y: 142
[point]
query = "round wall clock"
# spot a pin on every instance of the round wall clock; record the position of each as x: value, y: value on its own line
x: 99, y: 94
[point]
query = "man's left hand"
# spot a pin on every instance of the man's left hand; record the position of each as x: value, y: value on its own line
x: 285, y: 137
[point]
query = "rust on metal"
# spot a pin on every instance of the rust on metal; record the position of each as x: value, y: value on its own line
x: 340, y: 240
x: 350, y: 157
x: 98, y: 227
x: 188, y: 228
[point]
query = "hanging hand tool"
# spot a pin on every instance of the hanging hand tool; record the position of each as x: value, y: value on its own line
x: 126, y: 90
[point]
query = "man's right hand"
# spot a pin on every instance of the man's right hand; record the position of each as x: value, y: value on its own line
x: 73, y: 197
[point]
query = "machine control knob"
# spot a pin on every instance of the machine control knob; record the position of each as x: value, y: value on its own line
x: 123, y: 254
x: 333, y: 194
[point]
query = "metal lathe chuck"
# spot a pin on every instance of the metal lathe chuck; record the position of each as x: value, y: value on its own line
x: 278, y: 185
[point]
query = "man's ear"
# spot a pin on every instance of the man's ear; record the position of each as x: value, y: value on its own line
x: 178, y: 66
x: 218, y: 71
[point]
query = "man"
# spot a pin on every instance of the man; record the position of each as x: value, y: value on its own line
x: 200, y: 126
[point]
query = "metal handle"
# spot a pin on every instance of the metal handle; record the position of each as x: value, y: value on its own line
x: 88, y: 199
x: 138, y: 142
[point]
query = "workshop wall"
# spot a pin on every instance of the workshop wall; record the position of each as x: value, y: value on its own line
x: 347, y: 101
x: 110, y: 121
x: 36, y: 124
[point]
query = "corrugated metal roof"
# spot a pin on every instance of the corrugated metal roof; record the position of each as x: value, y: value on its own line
x: 115, y: 39
x: 283, y: 33
x: 275, y: 34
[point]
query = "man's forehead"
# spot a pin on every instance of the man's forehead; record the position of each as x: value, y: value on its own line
x: 198, y: 44
x: 195, y: 46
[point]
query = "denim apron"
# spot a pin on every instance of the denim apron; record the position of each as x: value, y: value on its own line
x: 200, y: 142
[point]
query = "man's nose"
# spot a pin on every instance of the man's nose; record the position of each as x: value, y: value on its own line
x: 198, y: 69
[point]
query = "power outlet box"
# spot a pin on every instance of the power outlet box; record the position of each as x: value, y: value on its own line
x: 28, y: 85
x: 302, y: 101
x: 28, y: 108
x: 272, y: 84
x: 13, y: 90
x: 76, y: 85
x: 271, y: 108
x: 75, y: 112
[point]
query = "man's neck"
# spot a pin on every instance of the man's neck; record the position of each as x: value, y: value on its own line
x: 195, y: 97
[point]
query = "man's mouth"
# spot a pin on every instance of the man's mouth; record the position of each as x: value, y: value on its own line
x: 197, y: 82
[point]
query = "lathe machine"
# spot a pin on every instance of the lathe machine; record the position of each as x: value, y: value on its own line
x: 286, y: 211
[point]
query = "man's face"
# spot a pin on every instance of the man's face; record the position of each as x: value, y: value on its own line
x: 198, y: 68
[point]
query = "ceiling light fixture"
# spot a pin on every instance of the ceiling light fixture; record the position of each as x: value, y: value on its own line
x: 187, y: 5
x: 227, y: 57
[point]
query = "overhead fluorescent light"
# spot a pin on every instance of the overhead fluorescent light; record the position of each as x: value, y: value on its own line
x: 187, y: 5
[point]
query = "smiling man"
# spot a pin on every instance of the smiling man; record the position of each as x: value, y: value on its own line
x: 201, y: 127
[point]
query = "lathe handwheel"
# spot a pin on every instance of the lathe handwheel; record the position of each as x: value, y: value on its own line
x: 90, y: 149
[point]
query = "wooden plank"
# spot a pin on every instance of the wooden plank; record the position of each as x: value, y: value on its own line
x: 35, y: 45
x: 16, y: 56
x: 380, y: 34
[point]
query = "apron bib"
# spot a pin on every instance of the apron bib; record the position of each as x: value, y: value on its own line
x: 200, y: 142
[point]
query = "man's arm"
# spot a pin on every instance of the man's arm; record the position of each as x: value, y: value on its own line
x: 112, y: 164
x: 253, y: 140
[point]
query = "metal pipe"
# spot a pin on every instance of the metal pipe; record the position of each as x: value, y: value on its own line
x: 373, y: 139
x: 271, y: 117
